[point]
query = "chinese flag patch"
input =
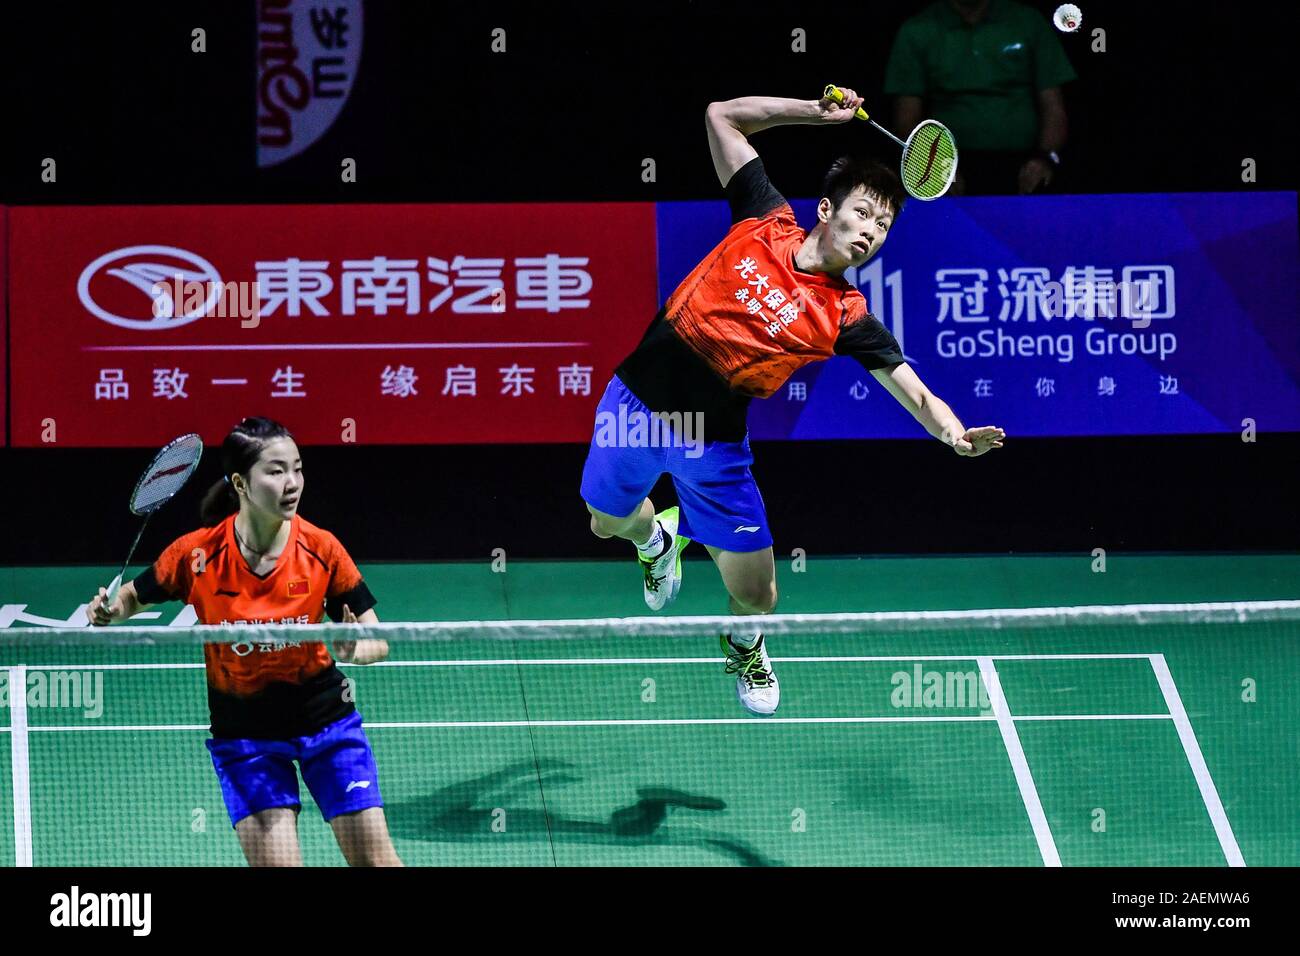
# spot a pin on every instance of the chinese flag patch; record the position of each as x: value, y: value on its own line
x: 299, y: 588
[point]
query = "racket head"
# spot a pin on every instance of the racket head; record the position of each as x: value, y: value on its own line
x: 166, y: 474
x: 929, y: 161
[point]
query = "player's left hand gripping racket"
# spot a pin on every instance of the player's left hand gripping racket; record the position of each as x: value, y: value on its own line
x: 165, y: 476
x: 929, y: 155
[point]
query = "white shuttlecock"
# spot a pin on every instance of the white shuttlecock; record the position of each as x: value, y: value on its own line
x: 1067, y: 17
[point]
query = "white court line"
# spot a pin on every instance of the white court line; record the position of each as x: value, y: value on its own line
x: 1209, y: 793
x: 669, y: 721
x: 598, y: 661
x: 19, y: 767
x: 1017, y: 717
x: 828, y: 659
x: 1024, y: 779
x: 637, y: 722
x: 954, y: 718
x: 602, y: 722
x: 129, y: 727
x: 1062, y: 657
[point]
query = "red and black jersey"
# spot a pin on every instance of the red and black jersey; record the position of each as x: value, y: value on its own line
x: 747, y: 317
x: 262, y: 688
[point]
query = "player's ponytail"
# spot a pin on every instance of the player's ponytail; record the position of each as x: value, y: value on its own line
x: 219, y: 502
x: 238, y: 454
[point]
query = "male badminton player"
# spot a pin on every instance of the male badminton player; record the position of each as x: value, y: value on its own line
x: 258, y: 562
x: 768, y: 299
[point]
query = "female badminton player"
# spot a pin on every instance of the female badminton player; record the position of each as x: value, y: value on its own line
x: 768, y: 299
x: 273, y: 702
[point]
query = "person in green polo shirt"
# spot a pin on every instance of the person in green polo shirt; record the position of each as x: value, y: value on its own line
x: 991, y: 71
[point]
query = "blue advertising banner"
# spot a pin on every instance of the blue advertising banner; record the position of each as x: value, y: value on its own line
x: 1057, y: 315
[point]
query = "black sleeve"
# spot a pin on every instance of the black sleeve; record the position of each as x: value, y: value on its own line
x: 149, y: 591
x: 750, y: 193
x: 868, y: 341
x: 359, y: 599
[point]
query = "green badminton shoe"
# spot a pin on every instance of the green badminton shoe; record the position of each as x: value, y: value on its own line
x: 663, y: 574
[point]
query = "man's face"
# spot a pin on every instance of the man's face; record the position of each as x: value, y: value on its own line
x: 857, y: 228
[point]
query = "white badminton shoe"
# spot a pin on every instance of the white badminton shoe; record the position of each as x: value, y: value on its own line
x: 756, y: 684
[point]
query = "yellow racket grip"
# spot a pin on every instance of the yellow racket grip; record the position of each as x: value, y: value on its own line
x: 832, y: 92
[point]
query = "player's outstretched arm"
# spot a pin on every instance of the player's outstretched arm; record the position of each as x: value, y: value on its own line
x: 934, y: 414
x: 730, y: 123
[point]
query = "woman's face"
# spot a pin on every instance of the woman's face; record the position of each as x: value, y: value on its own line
x: 275, y: 481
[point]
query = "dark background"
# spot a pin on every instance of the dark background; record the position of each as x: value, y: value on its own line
x: 583, y: 94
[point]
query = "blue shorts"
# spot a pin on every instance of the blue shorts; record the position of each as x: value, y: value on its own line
x: 720, y: 503
x: 338, y: 767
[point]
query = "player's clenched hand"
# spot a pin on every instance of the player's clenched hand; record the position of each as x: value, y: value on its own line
x: 977, y: 441
x: 833, y: 112
x: 100, y: 615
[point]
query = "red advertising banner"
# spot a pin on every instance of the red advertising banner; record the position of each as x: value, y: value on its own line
x: 369, y: 323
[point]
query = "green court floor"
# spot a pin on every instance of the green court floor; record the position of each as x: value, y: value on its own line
x: 1160, y: 744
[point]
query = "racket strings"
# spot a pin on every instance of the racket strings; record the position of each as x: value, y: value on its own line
x: 929, y: 161
x: 168, y: 473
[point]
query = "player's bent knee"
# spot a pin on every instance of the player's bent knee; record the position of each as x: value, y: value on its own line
x: 760, y: 598
x: 607, y: 526
x: 602, y: 524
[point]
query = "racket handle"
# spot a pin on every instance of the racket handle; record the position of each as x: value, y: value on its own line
x: 113, y: 588
x: 833, y: 92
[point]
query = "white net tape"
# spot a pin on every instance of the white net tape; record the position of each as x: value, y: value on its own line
x: 863, y: 624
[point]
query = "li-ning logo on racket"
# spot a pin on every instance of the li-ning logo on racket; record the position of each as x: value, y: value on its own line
x: 153, y: 270
x: 929, y: 160
x: 165, y: 473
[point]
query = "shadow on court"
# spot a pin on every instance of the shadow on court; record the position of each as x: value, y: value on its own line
x: 464, y: 812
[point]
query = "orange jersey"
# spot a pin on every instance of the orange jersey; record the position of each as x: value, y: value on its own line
x: 746, y: 318
x: 740, y: 308
x: 206, y: 569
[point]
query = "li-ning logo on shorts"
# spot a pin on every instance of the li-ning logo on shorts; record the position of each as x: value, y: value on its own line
x: 745, y: 527
x: 152, y: 270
